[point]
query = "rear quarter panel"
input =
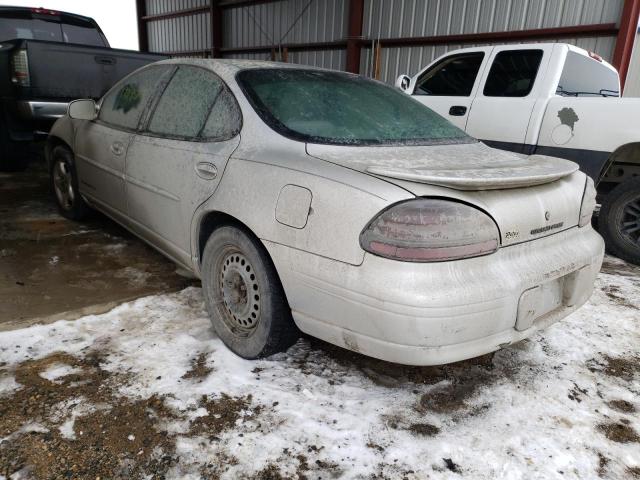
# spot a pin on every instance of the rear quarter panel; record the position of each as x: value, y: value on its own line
x: 592, y: 127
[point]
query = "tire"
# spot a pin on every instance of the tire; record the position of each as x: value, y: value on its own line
x: 619, y: 220
x: 13, y: 155
x: 244, y: 297
x: 64, y: 185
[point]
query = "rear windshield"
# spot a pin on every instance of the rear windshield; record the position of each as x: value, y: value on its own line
x: 339, y: 108
x: 53, y: 28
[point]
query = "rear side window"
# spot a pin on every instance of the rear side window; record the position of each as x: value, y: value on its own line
x: 195, y: 104
x: 124, y: 104
x: 513, y: 73
x: 453, y: 76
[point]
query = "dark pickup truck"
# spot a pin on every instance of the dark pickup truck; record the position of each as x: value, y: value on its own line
x: 48, y: 58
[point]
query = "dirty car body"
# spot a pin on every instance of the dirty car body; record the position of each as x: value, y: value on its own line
x: 392, y: 232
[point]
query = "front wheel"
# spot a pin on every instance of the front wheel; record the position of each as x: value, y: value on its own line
x: 64, y: 183
x: 244, y: 297
x: 619, y: 220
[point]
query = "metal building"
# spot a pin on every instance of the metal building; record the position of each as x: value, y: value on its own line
x: 380, y: 38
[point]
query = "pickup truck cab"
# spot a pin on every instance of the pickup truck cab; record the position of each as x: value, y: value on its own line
x: 552, y: 99
x: 47, y: 59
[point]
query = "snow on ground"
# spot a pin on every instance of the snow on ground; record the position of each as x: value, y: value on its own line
x: 151, y: 385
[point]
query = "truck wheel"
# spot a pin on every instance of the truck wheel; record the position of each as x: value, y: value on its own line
x: 619, y: 220
x: 13, y: 155
x: 244, y: 297
x: 64, y: 184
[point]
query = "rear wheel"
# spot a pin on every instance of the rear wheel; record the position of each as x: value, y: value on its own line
x: 64, y: 184
x: 244, y: 297
x: 619, y: 220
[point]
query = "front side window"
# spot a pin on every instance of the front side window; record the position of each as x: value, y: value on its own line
x: 513, y: 73
x: 124, y: 104
x: 343, y: 109
x: 190, y: 106
x: 453, y: 76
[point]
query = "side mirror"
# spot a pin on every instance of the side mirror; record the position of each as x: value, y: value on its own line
x: 83, y: 110
x: 403, y: 82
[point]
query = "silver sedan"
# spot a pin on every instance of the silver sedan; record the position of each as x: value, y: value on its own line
x: 324, y: 202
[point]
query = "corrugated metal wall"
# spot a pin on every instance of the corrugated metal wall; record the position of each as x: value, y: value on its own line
x: 425, y: 18
x: 632, y: 87
x: 286, y: 21
x: 313, y: 21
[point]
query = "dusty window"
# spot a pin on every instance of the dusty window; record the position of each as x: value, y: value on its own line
x: 331, y: 107
x: 124, y: 104
x: 453, y: 76
x: 513, y: 73
x: 186, y: 103
x: 225, y: 119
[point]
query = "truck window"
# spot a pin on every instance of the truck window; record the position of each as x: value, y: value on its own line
x: 587, y: 77
x: 453, y: 76
x: 19, y: 26
x: 122, y: 106
x: 83, y: 33
x: 513, y: 73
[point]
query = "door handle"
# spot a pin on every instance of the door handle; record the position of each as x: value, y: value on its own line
x: 117, y: 148
x: 457, y: 110
x: 206, y: 170
x: 104, y: 60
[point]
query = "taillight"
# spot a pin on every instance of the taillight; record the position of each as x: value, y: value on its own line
x: 20, y: 68
x: 588, y: 203
x: 430, y: 230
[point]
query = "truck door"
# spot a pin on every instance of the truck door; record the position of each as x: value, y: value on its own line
x: 510, y: 87
x: 449, y: 85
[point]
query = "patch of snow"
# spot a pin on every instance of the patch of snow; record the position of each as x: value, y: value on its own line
x: 136, y: 278
x: 58, y: 370
x: 8, y: 384
x: 54, y: 260
x: 535, y: 415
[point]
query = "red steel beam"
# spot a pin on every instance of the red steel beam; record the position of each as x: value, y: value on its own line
x: 143, y: 38
x: 597, y: 30
x: 354, y: 36
x: 626, y: 38
x: 216, y: 28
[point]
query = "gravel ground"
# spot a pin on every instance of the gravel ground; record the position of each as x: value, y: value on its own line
x: 147, y: 391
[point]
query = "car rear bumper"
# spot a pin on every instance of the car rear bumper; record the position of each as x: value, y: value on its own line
x: 425, y: 314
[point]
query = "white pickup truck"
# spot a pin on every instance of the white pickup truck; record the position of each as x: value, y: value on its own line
x: 551, y: 99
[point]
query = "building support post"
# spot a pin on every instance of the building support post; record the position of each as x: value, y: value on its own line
x: 143, y: 36
x: 354, y: 35
x: 626, y: 38
x: 216, y: 28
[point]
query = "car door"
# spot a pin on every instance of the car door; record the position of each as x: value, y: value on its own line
x: 449, y: 85
x: 101, y: 145
x: 510, y: 89
x: 175, y: 164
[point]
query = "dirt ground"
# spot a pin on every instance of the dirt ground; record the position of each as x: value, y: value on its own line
x: 53, y: 268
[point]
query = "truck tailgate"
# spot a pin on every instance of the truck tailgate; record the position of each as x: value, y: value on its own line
x: 68, y: 71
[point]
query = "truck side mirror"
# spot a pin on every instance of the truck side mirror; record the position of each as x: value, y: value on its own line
x: 403, y: 82
x: 83, y: 110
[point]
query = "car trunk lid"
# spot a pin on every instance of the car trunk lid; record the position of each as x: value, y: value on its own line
x: 528, y: 197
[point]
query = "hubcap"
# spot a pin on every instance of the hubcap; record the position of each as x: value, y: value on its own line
x: 62, y: 185
x: 630, y: 221
x: 240, y: 293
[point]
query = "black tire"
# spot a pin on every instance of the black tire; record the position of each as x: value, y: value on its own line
x: 258, y: 322
x: 13, y: 155
x: 619, y: 220
x: 63, y: 180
